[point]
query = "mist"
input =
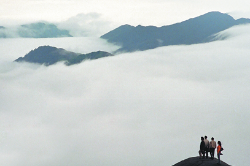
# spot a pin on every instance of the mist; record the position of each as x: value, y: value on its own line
x: 90, y: 24
x: 81, y: 25
x: 141, y: 109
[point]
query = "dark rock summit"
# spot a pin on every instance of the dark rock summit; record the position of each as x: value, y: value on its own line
x: 48, y: 55
x: 195, y: 30
x: 196, y: 161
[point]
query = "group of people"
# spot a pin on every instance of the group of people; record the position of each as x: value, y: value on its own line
x: 206, y: 146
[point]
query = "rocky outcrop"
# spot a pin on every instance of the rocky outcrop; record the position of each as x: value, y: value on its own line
x: 196, y: 161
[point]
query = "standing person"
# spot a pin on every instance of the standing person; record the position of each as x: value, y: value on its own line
x: 206, y: 146
x: 202, y: 147
x: 219, y: 151
x: 212, y: 146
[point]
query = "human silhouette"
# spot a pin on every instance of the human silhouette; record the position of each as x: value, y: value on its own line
x: 206, y: 146
x: 219, y: 151
x: 212, y: 146
x: 202, y: 148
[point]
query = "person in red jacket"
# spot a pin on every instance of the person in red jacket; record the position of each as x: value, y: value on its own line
x: 219, y: 151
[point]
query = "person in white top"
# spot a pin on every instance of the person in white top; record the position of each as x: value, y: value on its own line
x: 212, y: 146
x: 206, y: 146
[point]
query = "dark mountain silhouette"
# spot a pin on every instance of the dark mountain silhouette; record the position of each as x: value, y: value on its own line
x: 195, y: 30
x: 48, y: 55
x: 196, y: 161
x: 34, y: 30
x: 89, y: 56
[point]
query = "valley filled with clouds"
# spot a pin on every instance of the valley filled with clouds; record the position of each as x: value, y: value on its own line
x: 141, y: 109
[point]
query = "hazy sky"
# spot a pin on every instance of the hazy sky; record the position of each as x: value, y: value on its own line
x: 145, y: 12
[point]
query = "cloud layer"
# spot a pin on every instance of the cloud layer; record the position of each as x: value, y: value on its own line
x: 142, y: 108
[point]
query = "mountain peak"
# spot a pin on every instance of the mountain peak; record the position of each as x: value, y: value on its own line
x: 49, y: 55
x: 192, y: 31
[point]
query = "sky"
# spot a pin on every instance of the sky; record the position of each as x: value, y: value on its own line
x: 140, y: 109
x: 134, y: 12
x: 97, y: 17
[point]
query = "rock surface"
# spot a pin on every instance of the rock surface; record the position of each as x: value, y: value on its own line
x: 196, y: 161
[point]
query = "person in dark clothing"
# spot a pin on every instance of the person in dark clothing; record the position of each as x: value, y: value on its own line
x: 202, y: 148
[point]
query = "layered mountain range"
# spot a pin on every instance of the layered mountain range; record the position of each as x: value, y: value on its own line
x: 195, y: 30
x: 200, y: 29
x: 48, y: 55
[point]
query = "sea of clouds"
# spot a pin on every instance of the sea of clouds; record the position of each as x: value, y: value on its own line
x: 139, y: 109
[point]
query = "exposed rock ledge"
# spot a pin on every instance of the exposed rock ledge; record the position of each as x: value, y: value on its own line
x: 196, y: 161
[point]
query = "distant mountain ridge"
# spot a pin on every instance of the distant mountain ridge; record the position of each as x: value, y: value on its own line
x: 42, y: 30
x: 49, y: 55
x: 192, y: 31
x: 34, y: 30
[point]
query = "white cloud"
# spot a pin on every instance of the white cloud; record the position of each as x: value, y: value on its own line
x: 91, y: 24
x: 142, y: 108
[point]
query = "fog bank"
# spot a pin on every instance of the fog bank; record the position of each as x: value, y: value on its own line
x: 142, y: 109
